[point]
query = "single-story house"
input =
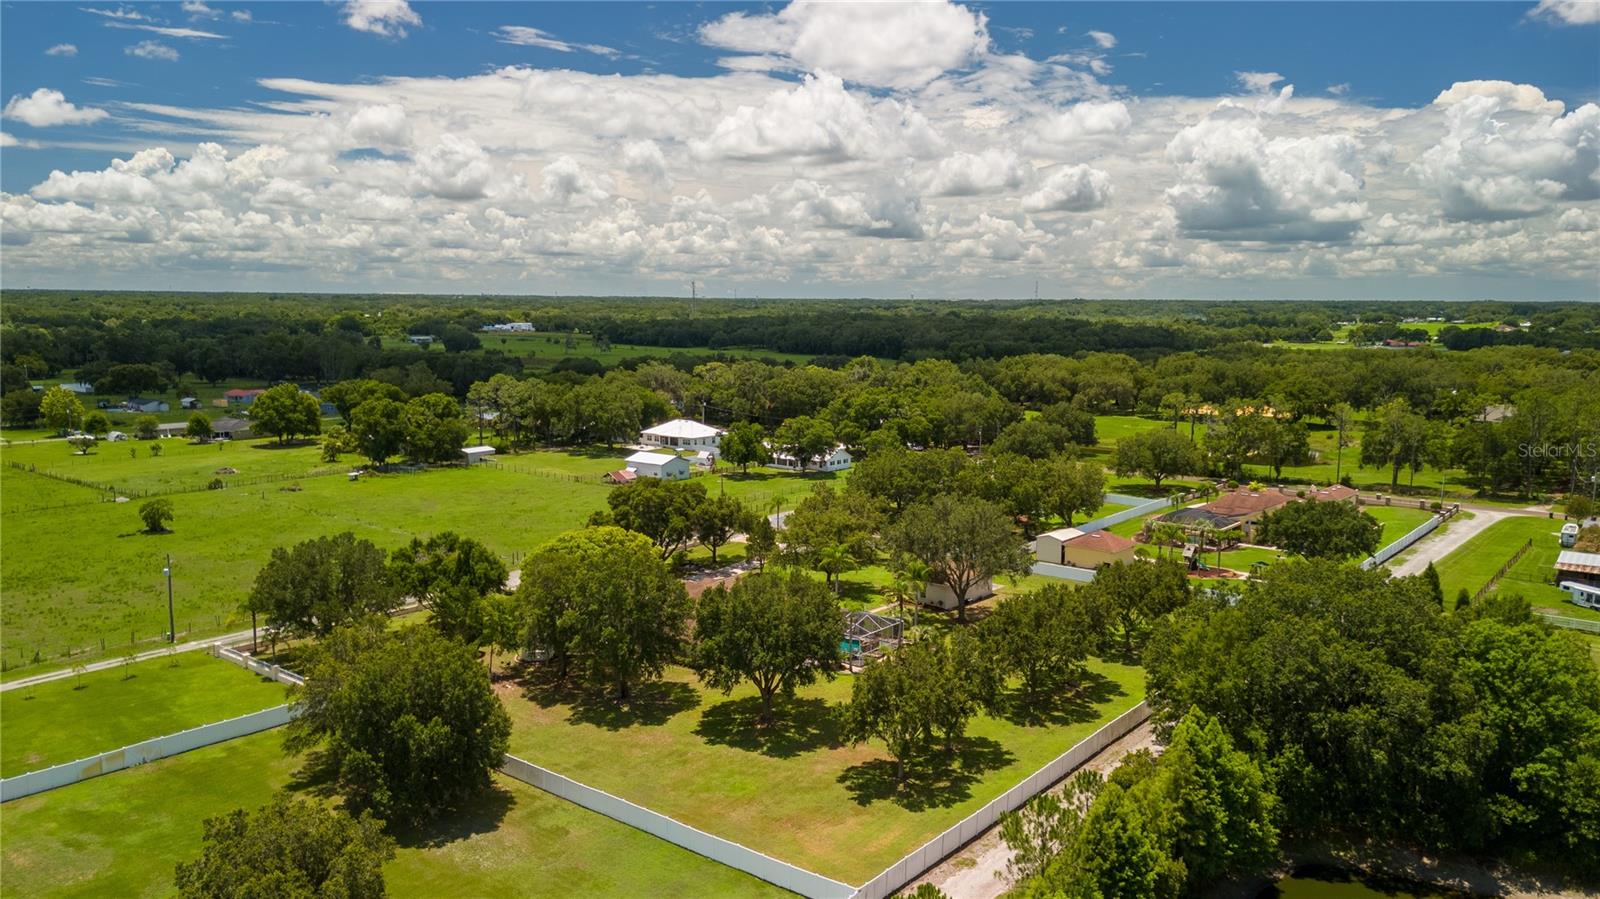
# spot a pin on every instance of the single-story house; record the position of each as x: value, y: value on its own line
x: 1070, y: 546
x: 477, y: 453
x: 1247, y: 507
x: 1573, y: 567
x: 681, y: 434
x: 1337, y: 493
x: 231, y: 428
x: 78, y: 386
x: 141, y: 404
x: 517, y: 327
x: 172, y: 429
x: 941, y: 596
x: 1098, y: 548
x: 622, y: 476
x: 189, y: 402
x: 837, y: 459
x: 242, y: 396
x: 420, y: 339
x: 658, y: 465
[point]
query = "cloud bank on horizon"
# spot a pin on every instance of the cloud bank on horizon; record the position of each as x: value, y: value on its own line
x: 824, y: 149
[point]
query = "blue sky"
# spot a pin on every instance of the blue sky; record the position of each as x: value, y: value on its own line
x: 1116, y: 149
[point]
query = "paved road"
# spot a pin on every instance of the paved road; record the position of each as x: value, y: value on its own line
x: 190, y: 646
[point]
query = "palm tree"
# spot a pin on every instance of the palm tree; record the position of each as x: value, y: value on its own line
x: 835, y: 559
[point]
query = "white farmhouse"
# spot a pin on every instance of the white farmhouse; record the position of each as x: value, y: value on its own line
x: 683, y: 434
x: 837, y: 459
x: 658, y: 465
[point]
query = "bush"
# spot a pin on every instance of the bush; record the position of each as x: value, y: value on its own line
x: 155, y: 514
x: 216, y: 484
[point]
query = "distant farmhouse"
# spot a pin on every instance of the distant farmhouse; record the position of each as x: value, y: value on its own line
x: 837, y: 459
x: 243, y: 396
x: 683, y: 434
x: 511, y: 328
x: 141, y: 404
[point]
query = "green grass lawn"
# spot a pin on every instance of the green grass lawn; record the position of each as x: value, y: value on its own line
x: 181, y: 466
x: 76, y: 717
x: 1397, y: 521
x: 77, y: 575
x: 793, y: 791
x: 1474, y: 562
x: 121, y: 835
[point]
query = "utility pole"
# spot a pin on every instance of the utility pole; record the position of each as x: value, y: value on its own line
x: 694, y: 291
x: 172, y: 626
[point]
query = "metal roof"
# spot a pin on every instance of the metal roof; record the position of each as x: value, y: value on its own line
x: 683, y: 429
x: 1572, y: 560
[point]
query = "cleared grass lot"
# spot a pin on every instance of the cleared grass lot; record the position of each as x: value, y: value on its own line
x: 76, y: 717
x: 1474, y: 562
x: 792, y: 791
x: 77, y: 574
x: 122, y: 835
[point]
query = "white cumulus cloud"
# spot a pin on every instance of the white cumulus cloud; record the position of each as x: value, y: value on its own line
x: 62, y: 50
x: 1105, y: 39
x: 1236, y: 182
x: 46, y: 108
x: 1568, y: 12
x: 1072, y: 188
x: 893, y: 45
x: 1509, y: 153
x: 385, y: 18
x: 963, y: 174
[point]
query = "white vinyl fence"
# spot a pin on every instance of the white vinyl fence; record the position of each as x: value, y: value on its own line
x: 1065, y: 572
x: 940, y: 847
x: 1399, y: 546
x: 1145, y: 507
x: 139, y: 753
x: 742, y: 858
x: 265, y: 669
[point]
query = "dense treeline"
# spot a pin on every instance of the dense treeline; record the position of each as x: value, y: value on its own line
x: 1518, y: 418
x: 119, y: 327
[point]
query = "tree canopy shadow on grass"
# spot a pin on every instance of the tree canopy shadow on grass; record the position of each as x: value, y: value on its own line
x: 1076, y: 704
x: 480, y: 815
x: 942, y: 780
x: 798, y: 726
x: 651, y: 704
x: 319, y: 778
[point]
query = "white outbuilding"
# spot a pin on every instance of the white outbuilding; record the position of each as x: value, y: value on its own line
x: 663, y: 466
x: 683, y: 434
x: 477, y: 453
x: 940, y: 596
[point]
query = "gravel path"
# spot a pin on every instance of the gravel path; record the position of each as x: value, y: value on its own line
x: 1437, y: 545
x: 978, y: 871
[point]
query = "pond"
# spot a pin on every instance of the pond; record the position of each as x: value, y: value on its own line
x: 1335, y: 883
